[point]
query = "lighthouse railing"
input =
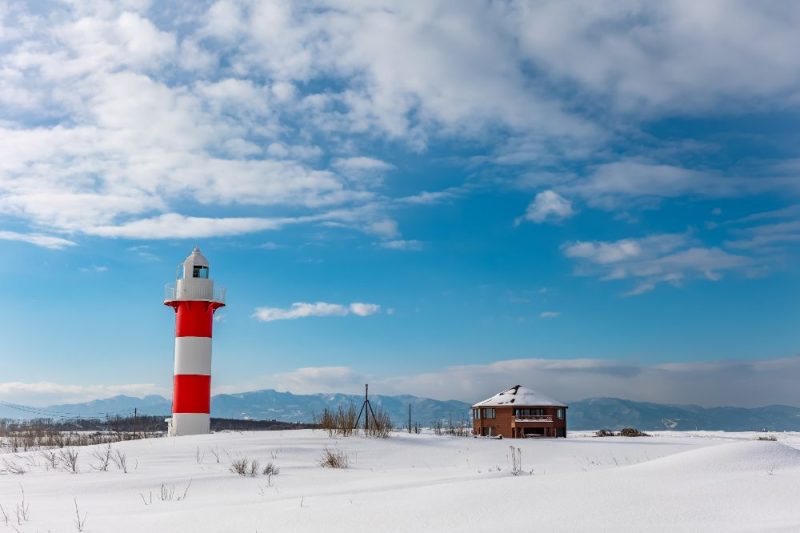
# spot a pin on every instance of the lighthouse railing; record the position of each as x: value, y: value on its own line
x: 215, y: 294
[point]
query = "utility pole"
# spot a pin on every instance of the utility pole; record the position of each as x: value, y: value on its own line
x: 366, y: 409
x: 409, y: 418
x: 134, y: 423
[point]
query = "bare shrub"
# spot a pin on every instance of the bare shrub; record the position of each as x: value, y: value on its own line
x: 185, y: 491
x: 340, y: 422
x: 103, y: 458
x: 270, y: 469
x: 770, y: 438
x: 167, y: 493
x: 327, y: 421
x: 334, y: 459
x: 23, y: 509
x: 120, y: 460
x: 68, y: 459
x: 381, y: 425
x: 239, y: 466
x: 245, y: 467
x: 51, y: 459
x: 79, y: 522
x: 215, y: 453
x: 604, y: 433
x: 515, y: 458
x: 632, y: 432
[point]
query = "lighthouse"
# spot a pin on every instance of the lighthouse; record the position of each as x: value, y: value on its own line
x: 194, y: 300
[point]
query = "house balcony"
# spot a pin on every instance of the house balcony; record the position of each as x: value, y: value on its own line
x: 524, y: 420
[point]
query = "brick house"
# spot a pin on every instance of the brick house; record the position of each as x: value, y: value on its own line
x: 519, y: 412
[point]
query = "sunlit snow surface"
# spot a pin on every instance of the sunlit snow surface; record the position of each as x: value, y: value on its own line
x: 673, y: 481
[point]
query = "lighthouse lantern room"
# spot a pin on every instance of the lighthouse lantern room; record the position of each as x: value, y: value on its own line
x: 194, y: 299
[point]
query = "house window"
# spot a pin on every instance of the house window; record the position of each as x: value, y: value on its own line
x: 476, y: 414
x: 528, y: 412
x: 488, y: 413
x: 560, y: 414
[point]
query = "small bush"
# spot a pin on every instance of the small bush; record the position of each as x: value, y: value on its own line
x: 632, y: 432
x: 270, y: 469
x: 340, y: 422
x: 380, y: 424
x: 771, y: 438
x: 103, y: 458
x: 68, y: 457
x: 247, y: 468
x: 604, y: 433
x: 515, y: 458
x: 120, y: 459
x: 334, y: 459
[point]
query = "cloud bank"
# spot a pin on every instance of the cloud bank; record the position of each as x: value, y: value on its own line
x: 316, y: 309
x: 713, y: 383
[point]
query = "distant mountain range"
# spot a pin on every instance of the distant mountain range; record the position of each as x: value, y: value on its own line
x: 593, y: 413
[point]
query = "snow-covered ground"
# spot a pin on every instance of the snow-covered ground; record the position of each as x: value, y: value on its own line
x: 673, y: 481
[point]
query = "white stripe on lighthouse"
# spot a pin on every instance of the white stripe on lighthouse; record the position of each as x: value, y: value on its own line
x: 193, y: 355
x: 191, y: 423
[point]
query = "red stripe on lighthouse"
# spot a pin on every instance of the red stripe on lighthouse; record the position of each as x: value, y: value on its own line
x: 192, y: 394
x: 194, y: 318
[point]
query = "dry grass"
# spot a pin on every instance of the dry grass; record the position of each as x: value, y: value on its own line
x: 340, y: 422
x: 334, y: 459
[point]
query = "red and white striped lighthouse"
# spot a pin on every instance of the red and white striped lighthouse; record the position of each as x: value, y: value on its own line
x: 194, y: 299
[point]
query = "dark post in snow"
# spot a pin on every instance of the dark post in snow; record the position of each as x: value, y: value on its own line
x: 366, y: 409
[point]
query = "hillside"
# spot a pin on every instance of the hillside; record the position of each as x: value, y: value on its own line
x: 592, y: 413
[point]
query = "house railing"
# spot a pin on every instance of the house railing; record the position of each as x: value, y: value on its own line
x: 533, y: 418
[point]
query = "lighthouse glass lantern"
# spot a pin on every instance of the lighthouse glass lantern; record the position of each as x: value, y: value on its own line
x: 194, y: 299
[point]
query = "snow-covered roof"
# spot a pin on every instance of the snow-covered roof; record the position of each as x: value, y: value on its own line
x: 519, y: 396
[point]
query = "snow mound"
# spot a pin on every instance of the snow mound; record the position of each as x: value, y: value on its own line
x: 755, y: 456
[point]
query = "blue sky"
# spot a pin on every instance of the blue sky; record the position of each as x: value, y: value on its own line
x: 439, y: 198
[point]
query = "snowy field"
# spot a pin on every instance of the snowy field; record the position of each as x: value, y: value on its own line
x: 673, y: 481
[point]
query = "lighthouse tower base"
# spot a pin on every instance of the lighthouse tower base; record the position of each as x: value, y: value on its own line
x: 188, y: 424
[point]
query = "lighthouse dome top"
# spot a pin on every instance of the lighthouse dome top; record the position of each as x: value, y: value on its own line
x: 196, y: 258
x: 196, y: 265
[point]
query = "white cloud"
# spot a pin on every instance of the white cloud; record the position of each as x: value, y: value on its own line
x: 173, y: 225
x: 666, y: 258
x: 747, y: 383
x: 312, y: 380
x: 96, y: 269
x: 361, y: 169
x: 400, y: 244
x: 37, y: 239
x: 549, y: 314
x: 548, y: 206
x: 44, y: 392
x: 114, y: 117
x: 643, y: 56
x: 362, y: 309
x: 316, y: 309
x: 385, y: 228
